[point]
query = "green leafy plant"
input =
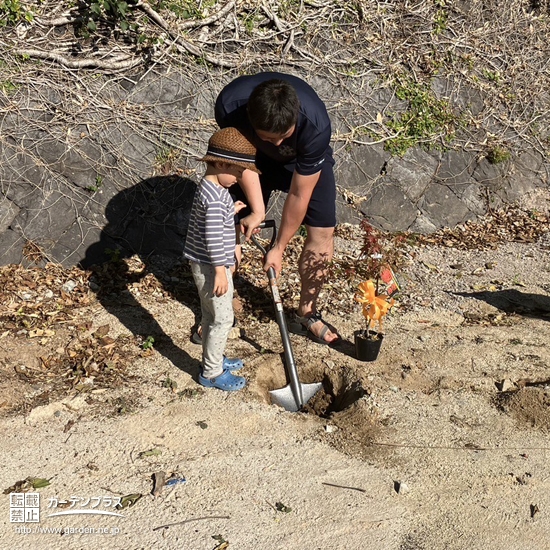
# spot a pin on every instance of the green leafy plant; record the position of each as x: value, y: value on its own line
x: 440, y: 19
x: 492, y: 76
x: 8, y: 87
x: 497, y: 155
x: 96, y: 187
x: 170, y: 384
x: 287, y: 8
x: 250, y: 21
x: 11, y: 13
x: 148, y: 343
x: 425, y: 119
x: 186, y: 9
x: 115, y: 12
x: 113, y: 254
x: 165, y: 160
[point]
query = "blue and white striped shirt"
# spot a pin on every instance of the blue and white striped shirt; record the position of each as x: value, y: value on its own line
x: 211, y: 232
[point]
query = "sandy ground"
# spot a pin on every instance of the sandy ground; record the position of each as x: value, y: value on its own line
x: 441, y: 444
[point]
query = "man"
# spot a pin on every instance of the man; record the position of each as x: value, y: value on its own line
x: 290, y: 127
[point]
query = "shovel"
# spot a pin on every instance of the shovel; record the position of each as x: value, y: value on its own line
x: 294, y: 395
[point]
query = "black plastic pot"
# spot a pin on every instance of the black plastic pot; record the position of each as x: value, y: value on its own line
x: 367, y: 348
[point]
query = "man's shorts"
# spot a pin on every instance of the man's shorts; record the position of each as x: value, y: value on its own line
x: 321, y: 211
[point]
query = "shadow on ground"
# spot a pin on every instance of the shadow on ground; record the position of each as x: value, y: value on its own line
x: 514, y: 301
x: 148, y: 220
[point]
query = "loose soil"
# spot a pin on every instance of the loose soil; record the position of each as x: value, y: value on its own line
x: 441, y: 443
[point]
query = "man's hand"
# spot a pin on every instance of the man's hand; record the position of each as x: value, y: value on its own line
x: 274, y: 259
x: 249, y: 224
x: 221, y: 284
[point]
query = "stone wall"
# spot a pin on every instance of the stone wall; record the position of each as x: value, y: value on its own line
x: 89, y: 168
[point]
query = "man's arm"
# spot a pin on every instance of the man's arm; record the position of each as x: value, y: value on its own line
x: 294, y: 211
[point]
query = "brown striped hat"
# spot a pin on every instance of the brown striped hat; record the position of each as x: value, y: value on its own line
x: 229, y: 145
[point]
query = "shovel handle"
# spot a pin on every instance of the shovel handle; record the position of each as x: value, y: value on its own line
x: 290, y: 364
x: 267, y: 224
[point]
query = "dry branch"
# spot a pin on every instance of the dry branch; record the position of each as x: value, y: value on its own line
x: 115, y: 63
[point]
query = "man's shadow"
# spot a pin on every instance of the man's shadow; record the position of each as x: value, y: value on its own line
x: 514, y: 301
x: 149, y: 220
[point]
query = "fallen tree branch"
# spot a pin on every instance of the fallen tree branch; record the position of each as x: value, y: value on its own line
x: 180, y: 42
x: 115, y: 63
x: 188, y: 521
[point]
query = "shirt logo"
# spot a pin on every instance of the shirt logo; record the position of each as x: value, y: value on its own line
x: 287, y: 151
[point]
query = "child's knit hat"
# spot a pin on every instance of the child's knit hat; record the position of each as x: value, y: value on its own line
x: 229, y: 145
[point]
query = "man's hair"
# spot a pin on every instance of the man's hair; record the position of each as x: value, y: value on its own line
x: 273, y: 106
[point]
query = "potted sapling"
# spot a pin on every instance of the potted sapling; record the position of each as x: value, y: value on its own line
x: 380, y: 255
x: 375, y: 307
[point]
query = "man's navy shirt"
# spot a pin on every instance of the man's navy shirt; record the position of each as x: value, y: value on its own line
x: 306, y: 149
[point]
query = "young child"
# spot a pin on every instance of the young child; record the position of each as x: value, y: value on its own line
x: 210, y: 249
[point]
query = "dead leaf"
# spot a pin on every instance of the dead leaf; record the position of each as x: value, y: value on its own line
x: 26, y: 484
x: 280, y: 507
x: 223, y: 544
x: 38, y: 482
x: 128, y: 501
x: 68, y: 426
x: 431, y: 267
x: 152, y: 452
x: 159, y: 479
x: 101, y: 331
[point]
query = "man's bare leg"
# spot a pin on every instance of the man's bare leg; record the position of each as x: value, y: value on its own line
x: 313, y: 268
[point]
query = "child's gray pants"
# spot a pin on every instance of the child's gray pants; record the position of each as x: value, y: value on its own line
x: 217, y: 317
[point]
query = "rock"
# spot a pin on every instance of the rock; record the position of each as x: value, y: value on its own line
x: 44, y: 412
x: 400, y: 487
x: 69, y: 286
x: 505, y: 385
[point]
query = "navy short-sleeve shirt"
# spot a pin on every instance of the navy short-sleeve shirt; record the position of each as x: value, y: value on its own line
x: 306, y: 148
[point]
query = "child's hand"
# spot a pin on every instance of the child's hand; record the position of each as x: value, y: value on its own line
x: 239, y: 205
x: 221, y: 285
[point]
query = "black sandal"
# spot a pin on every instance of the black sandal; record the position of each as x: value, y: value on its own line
x: 302, y: 326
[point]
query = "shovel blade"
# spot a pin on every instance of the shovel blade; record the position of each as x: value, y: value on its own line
x: 284, y: 397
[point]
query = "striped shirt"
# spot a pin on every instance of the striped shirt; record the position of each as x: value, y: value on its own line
x: 211, y: 232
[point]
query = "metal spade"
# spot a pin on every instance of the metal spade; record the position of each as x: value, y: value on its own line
x: 295, y: 394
